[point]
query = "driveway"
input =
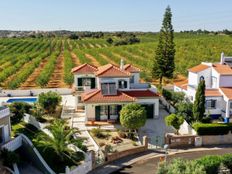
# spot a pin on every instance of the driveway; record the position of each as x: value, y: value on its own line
x: 155, y: 129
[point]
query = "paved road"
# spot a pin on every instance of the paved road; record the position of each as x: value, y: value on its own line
x: 150, y: 166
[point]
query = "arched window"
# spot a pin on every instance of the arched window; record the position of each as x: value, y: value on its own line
x: 202, y: 78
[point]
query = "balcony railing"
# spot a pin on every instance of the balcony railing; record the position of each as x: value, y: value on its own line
x: 4, y: 111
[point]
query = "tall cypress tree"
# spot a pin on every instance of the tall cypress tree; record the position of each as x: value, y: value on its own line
x: 163, y: 65
x: 199, y: 102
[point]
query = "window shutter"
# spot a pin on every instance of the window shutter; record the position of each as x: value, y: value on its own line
x: 97, y: 113
x: 93, y: 83
x: 79, y: 81
x: 125, y: 84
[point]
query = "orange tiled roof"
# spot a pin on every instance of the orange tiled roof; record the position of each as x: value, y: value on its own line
x: 223, y: 69
x: 110, y: 70
x: 198, y: 68
x: 96, y: 96
x: 141, y: 94
x: 212, y: 92
x: 130, y: 68
x: 182, y: 84
x: 227, y: 92
x: 84, y: 69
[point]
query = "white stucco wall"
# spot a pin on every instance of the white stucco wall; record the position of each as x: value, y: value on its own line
x: 220, y: 104
x: 194, y: 78
x: 217, y: 76
x: 136, y: 77
x: 154, y: 101
x: 76, y: 76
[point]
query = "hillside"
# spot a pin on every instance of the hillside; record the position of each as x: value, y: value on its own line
x: 46, y: 62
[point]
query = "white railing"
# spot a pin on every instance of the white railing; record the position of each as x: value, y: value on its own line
x: 4, y: 112
x: 13, y: 144
x: 82, y: 168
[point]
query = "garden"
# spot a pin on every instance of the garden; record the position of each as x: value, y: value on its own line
x: 55, y: 142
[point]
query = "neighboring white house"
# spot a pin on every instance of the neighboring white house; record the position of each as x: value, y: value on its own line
x: 218, y: 81
x: 102, y: 91
x: 5, y: 126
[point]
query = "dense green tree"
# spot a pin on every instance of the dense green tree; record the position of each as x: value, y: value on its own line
x: 186, y: 110
x: 199, y: 102
x: 174, y: 120
x: 49, y: 101
x: 163, y: 65
x: 133, y: 116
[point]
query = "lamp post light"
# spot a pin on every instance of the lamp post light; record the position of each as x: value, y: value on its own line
x: 166, y: 151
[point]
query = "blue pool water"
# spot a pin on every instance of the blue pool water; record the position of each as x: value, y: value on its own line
x: 27, y: 100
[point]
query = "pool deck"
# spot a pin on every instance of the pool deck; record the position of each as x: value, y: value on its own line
x: 68, y: 99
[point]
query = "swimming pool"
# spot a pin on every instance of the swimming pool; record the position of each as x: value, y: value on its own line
x: 27, y: 100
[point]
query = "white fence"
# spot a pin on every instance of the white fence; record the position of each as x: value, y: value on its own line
x: 168, y: 105
x: 186, y: 129
x: 13, y: 144
x: 34, y: 92
x: 17, y: 142
x: 4, y: 112
x: 83, y: 168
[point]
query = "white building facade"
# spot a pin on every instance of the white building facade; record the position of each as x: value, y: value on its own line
x: 218, y: 82
x: 101, y: 92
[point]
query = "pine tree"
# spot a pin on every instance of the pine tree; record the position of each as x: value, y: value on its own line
x: 199, y: 103
x: 164, y: 65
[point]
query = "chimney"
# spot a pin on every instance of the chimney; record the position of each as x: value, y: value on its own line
x: 222, y: 59
x: 122, y: 64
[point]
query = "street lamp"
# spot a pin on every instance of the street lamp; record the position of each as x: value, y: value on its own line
x: 166, y: 151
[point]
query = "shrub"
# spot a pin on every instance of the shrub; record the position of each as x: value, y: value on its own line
x: 121, y: 134
x: 174, y: 120
x: 212, y: 128
x: 18, y: 109
x: 227, y: 161
x: 97, y: 132
x: 9, y: 157
x: 133, y: 116
x: 49, y: 101
x: 211, y: 163
x: 173, y: 97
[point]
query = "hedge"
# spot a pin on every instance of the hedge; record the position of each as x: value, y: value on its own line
x: 212, y: 128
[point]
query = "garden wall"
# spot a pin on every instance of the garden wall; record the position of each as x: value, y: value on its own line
x: 35, y: 92
x: 217, y: 139
x: 135, y: 150
x: 180, y: 141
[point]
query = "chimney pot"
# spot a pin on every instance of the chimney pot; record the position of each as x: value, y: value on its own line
x: 222, y: 58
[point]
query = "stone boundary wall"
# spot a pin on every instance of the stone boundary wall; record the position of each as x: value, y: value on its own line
x: 114, y: 156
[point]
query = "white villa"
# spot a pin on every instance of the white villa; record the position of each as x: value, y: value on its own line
x: 218, y: 81
x: 102, y: 91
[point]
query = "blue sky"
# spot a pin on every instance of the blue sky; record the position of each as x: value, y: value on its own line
x: 113, y: 15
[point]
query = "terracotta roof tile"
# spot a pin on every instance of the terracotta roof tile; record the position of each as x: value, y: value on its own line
x: 223, y: 69
x: 84, y: 69
x: 198, y: 68
x: 97, y: 97
x: 130, y: 68
x: 141, y: 93
x: 110, y: 70
x: 212, y: 92
x: 227, y: 92
x: 182, y: 84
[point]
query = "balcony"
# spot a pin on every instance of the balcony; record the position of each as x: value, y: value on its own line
x: 4, y: 111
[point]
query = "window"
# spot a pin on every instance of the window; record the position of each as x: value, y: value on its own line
x: 210, y: 104
x: 132, y: 79
x: 113, y: 110
x: 103, y: 110
x: 108, y: 89
x: 86, y: 82
x: 122, y: 84
x: 230, y: 105
x: 202, y: 78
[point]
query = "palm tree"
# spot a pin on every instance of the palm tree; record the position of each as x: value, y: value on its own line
x: 60, y: 139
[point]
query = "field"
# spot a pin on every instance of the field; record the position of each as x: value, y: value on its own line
x: 46, y: 62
